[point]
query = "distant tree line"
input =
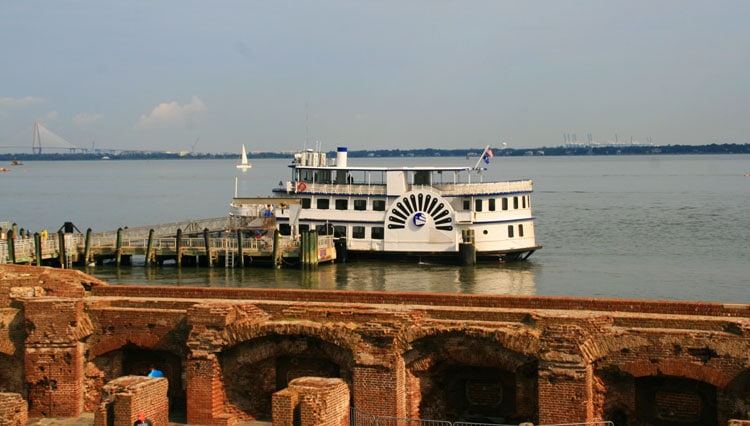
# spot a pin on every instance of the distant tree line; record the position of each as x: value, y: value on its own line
x: 427, y: 152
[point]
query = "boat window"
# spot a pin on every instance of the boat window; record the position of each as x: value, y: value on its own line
x: 339, y: 231
x: 342, y: 204
x: 520, y: 230
x: 523, y: 200
x: 325, y: 229
x: 323, y: 176
x: 323, y: 203
x: 491, y: 205
x: 515, y: 202
x: 285, y: 229
x: 360, y: 204
x: 422, y: 177
x: 510, y: 231
x: 377, y: 233
x: 306, y: 203
x: 467, y: 204
x: 303, y: 228
x: 478, y: 205
x: 378, y: 205
x: 358, y: 231
x: 505, y: 203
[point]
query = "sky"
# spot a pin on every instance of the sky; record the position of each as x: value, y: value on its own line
x: 284, y: 75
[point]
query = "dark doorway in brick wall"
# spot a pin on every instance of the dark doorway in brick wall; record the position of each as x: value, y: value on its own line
x: 255, y: 369
x: 468, y: 379
x: 675, y: 401
x: 11, y: 374
x: 134, y: 360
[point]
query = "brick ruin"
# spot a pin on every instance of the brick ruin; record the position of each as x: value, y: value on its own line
x: 232, y: 355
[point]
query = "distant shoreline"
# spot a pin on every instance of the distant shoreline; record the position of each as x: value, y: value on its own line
x: 428, y: 152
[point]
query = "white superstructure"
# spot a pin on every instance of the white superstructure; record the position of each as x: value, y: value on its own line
x: 402, y: 211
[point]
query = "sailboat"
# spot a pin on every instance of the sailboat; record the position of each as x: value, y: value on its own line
x: 244, y: 165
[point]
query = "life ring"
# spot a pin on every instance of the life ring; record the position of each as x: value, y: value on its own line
x: 301, y: 186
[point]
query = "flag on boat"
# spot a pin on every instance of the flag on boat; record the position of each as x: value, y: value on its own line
x: 487, y: 155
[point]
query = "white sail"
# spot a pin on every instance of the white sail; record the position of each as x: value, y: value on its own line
x: 244, y: 164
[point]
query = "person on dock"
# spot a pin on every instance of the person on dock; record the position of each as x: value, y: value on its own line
x: 141, y: 420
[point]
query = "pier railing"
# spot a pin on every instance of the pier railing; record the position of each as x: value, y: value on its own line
x: 76, y: 248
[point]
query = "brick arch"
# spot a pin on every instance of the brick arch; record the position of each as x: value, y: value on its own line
x: 342, y: 337
x: 256, y: 368
x: 677, y: 368
x: 105, y: 343
x: 471, y: 377
x: 520, y: 340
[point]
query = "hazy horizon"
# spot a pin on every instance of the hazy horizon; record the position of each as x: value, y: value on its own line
x: 277, y: 76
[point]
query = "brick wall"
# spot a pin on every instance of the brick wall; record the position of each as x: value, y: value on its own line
x: 547, y: 360
x: 13, y: 410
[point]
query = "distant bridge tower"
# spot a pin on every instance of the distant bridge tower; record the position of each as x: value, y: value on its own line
x: 36, y: 141
x: 50, y: 140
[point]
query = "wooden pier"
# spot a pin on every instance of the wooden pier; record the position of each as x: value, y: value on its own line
x: 206, y: 242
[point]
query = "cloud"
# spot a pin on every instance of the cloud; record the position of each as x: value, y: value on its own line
x: 20, y: 102
x: 171, y: 114
x: 50, y: 116
x: 84, y: 119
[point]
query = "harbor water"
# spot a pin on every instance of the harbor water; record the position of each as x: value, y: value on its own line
x: 638, y: 227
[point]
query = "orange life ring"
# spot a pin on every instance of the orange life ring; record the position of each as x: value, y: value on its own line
x: 301, y: 186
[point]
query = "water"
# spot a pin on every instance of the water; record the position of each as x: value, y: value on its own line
x: 642, y: 227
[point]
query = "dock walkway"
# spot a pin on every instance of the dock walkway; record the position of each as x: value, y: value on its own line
x: 224, y: 241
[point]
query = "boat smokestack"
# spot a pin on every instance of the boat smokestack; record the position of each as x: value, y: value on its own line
x: 341, y: 156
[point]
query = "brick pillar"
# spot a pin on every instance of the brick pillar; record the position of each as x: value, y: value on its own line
x: 205, y: 391
x: 320, y: 401
x: 565, y: 395
x: 379, y: 390
x: 13, y: 410
x: 54, y: 358
x: 126, y: 396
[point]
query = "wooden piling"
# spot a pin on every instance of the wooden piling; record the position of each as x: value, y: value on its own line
x: 62, y: 256
x: 38, y: 248
x: 87, y: 248
x: 207, y: 243
x: 467, y: 250
x: 178, y: 247
x: 150, y: 248
x: 118, y: 247
x: 276, y: 258
x: 239, y: 249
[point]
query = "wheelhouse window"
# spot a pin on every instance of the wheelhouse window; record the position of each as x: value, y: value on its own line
x: 478, y: 204
x: 523, y: 201
x: 491, y: 204
x: 378, y: 205
x: 360, y: 204
x: 358, y: 232
x: 505, y: 203
x: 342, y: 204
x: 323, y: 203
x: 515, y: 203
x: 467, y: 204
x: 520, y: 230
x: 377, y: 233
x: 510, y: 231
x: 306, y: 203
